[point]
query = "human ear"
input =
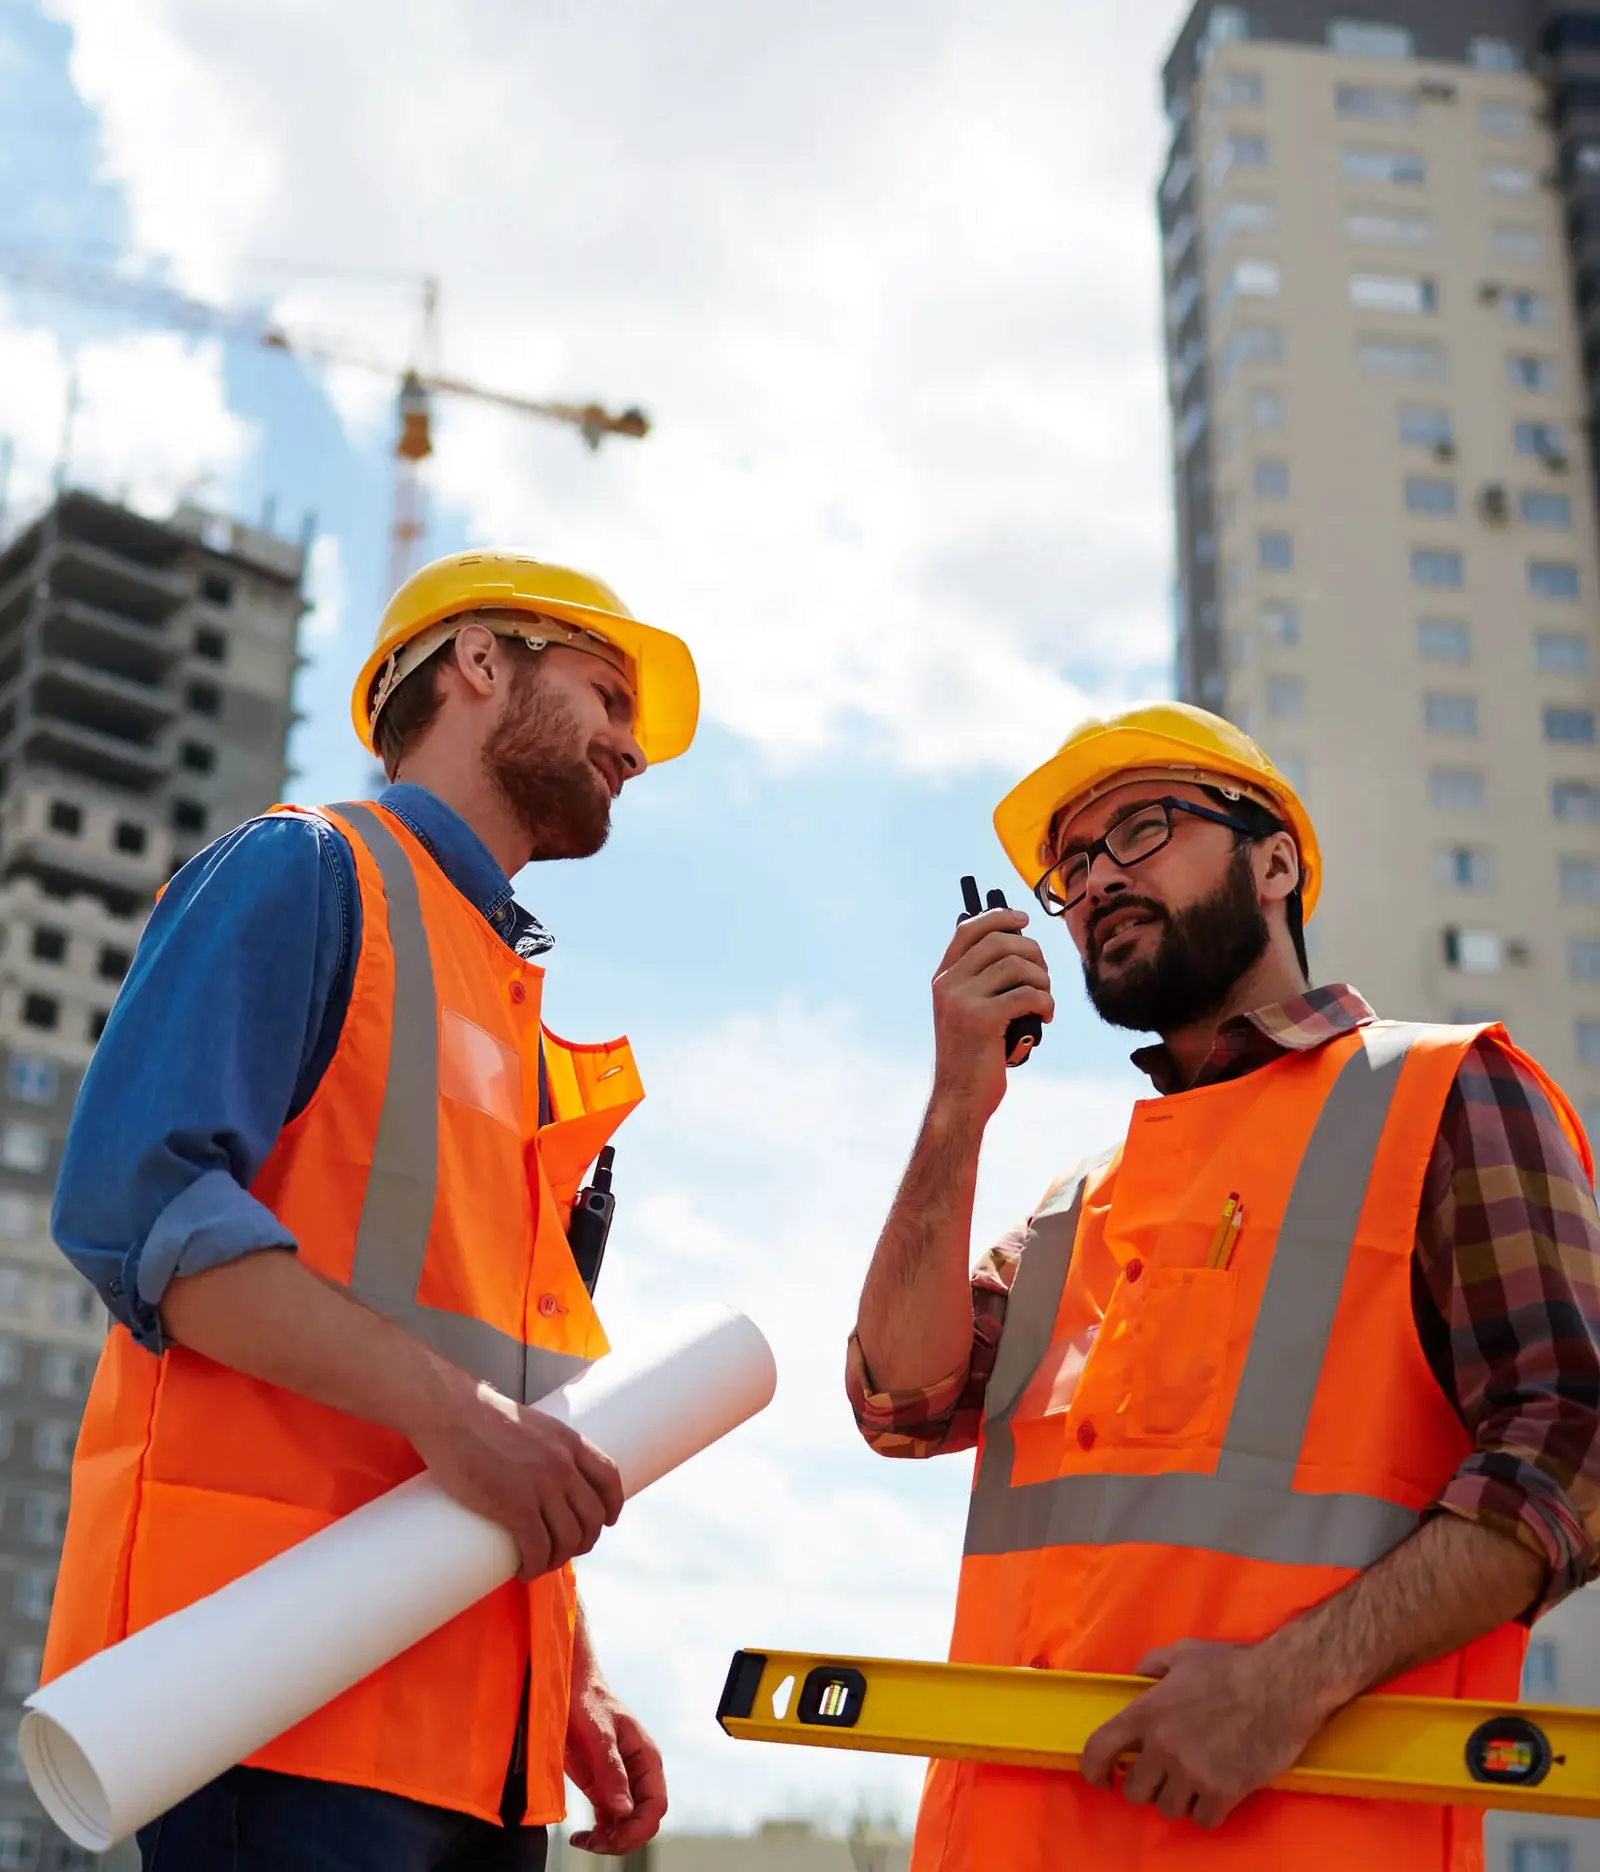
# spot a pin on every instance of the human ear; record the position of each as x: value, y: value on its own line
x: 1277, y: 867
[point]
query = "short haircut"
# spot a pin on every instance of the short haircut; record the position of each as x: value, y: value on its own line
x: 410, y: 711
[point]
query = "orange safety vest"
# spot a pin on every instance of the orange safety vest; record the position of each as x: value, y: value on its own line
x: 419, y: 1176
x: 1173, y: 1451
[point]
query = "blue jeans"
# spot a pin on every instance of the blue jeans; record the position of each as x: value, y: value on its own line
x: 252, y: 1820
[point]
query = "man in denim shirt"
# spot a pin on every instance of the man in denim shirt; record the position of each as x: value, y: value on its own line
x: 509, y: 702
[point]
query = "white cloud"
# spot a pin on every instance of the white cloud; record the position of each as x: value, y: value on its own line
x: 151, y: 424
x: 886, y: 280
x: 758, y: 1173
x: 325, y: 587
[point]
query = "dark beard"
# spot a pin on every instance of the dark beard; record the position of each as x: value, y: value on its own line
x: 535, y: 762
x: 1202, y: 952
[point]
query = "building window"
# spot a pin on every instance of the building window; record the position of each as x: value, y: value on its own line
x: 212, y: 644
x: 97, y: 1023
x: 1177, y: 179
x: 1380, y: 103
x: 1238, y: 151
x: 197, y: 757
x: 1393, y: 292
x: 65, y: 1374
x: 1281, y: 624
x: 10, y: 1361
x: 1497, y: 55
x: 1285, y: 698
x: 216, y: 589
x: 1541, y: 1672
x: 1251, y: 344
x: 1450, y: 714
x: 1387, y: 230
x: 1456, y: 789
x: 1464, y: 867
x: 114, y: 963
x: 1241, y: 217
x: 32, y: 1592
x: 1506, y: 179
x: 1272, y: 480
x: 1588, y: 1036
x: 65, y: 817
x: 1422, y: 363
x: 22, y: 1678
x: 1405, y: 168
x: 1239, y: 88
x: 53, y: 1443
x: 1561, y: 655
x: 1583, y: 964
x: 1267, y: 410
x: 1580, y: 880
x: 44, y: 1518
x: 47, y: 944
x: 1540, y: 1855
x: 1575, y: 799
x: 1546, y: 441
x: 1443, y: 640
x: 16, y: 1213
x: 1276, y: 552
x: 1368, y: 39
x: 73, y: 1301
x: 1249, y: 279
x: 131, y: 837
x: 1548, y: 510
x: 1430, y: 566
x: 1425, y: 428
x: 1425, y: 496
x: 1519, y: 245
x: 204, y: 698
x: 188, y: 816
x: 40, y: 1010
x: 31, y: 1080
x: 1552, y: 579
x: 1573, y: 726
x: 1525, y: 308
x: 16, y: 1296
x: 20, y: 1841
x: 1474, y: 951
x: 23, y: 1146
x: 1500, y: 117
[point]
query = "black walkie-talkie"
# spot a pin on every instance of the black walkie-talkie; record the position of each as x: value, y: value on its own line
x: 1027, y: 1030
x: 592, y: 1210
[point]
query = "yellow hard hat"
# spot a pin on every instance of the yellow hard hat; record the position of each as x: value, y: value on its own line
x: 1173, y: 739
x: 582, y: 610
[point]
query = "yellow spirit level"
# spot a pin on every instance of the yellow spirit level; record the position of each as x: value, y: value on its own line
x: 1379, y: 1747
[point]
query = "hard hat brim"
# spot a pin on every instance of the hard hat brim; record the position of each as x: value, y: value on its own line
x: 1082, y: 770
x: 667, y: 686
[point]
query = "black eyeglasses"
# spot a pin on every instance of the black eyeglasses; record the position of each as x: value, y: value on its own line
x: 1128, y: 843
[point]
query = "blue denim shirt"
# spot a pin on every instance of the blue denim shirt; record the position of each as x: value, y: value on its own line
x: 222, y: 1031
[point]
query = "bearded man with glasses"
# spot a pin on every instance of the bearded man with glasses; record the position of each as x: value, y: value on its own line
x: 1292, y: 1395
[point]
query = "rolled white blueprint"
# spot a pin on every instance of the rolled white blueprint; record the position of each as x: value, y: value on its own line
x: 142, y: 1725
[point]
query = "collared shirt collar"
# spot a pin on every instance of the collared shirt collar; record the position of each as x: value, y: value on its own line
x: 1251, y: 1040
x: 469, y: 865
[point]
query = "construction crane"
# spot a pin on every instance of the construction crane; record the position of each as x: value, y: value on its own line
x: 419, y: 383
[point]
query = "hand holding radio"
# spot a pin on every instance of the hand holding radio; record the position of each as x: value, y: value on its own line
x: 991, y: 998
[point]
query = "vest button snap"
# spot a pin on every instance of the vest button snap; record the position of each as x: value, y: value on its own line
x: 1086, y: 1435
x: 1133, y: 1270
x: 549, y: 1306
x: 519, y: 994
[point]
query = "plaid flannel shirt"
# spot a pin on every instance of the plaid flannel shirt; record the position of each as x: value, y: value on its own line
x: 1505, y: 1293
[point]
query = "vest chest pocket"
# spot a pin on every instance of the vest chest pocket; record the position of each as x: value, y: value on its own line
x: 1156, y: 1373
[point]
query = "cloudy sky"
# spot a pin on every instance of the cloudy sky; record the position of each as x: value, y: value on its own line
x: 885, y: 279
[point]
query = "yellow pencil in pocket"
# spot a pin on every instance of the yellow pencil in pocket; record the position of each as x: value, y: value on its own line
x: 1222, y: 1241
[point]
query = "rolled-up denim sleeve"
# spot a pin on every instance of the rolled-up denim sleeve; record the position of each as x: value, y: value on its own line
x: 215, y: 1040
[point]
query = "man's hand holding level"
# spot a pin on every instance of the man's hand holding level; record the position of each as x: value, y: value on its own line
x: 1224, y: 1720
x: 991, y: 974
x: 553, y: 1491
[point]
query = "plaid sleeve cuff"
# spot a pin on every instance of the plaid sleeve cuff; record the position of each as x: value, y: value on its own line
x: 1503, y: 1491
x: 907, y: 1423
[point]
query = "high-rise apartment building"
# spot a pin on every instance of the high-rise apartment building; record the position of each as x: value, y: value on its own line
x: 1381, y: 243
x: 145, y: 670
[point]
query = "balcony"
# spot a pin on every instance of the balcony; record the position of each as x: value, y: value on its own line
x: 86, y: 634
x: 140, y: 594
x: 94, y: 698
x: 106, y: 759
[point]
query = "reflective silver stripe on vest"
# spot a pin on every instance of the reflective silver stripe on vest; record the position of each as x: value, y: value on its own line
x: 403, y: 1187
x: 1249, y: 1507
